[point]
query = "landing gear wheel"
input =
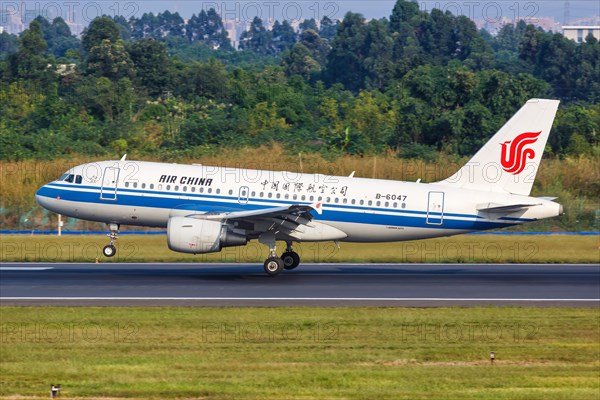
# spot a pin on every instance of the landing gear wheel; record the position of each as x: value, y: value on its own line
x: 273, y: 266
x: 109, y: 250
x: 291, y: 260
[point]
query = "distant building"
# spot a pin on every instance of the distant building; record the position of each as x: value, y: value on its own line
x: 578, y: 33
x: 76, y: 29
x: 548, y: 24
x: 11, y: 23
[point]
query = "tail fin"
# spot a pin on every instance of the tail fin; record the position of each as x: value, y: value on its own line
x: 509, y: 161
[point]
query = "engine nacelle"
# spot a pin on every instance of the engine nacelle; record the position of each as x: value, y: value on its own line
x: 196, y: 236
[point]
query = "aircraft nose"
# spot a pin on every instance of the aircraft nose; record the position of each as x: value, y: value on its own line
x: 41, y: 197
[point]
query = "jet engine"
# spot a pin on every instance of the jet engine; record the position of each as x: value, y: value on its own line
x: 197, y: 236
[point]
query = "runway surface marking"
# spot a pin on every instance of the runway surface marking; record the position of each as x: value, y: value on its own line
x: 25, y: 268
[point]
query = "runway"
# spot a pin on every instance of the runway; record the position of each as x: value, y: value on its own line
x: 418, y: 285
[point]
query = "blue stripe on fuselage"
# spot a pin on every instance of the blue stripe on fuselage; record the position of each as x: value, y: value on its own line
x: 216, y: 203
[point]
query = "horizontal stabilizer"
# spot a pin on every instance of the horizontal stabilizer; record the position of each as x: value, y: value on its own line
x: 548, y: 198
x: 503, y: 208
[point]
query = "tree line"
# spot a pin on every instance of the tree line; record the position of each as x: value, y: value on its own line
x: 415, y: 83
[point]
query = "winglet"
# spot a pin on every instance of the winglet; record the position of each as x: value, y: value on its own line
x: 124, y: 157
x: 318, y: 207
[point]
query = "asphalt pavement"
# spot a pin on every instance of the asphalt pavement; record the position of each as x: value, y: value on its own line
x: 419, y: 285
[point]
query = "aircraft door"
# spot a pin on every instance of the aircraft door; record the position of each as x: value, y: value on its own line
x: 243, y: 195
x: 435, y: 208
x: 109, y: 183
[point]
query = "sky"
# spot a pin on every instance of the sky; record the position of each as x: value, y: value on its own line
x: 85, y: 11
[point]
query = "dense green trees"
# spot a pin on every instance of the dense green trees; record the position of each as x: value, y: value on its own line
x: 207, y: 27
x: 8, y: 44
x: 416, y: 84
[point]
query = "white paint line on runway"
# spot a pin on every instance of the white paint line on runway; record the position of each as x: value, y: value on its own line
x: 24, y: 268
x: 295, y: 299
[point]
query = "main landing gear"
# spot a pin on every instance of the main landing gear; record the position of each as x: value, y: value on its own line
x: 110, y: 250
x: 274, y: 265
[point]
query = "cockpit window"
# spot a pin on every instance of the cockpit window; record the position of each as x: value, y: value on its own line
x: 71, y: 178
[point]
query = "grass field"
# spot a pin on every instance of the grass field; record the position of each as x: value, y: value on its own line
x: 300, y: 353
x: 457, y: 249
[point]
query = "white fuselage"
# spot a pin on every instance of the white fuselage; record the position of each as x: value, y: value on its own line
x: 365, y: 210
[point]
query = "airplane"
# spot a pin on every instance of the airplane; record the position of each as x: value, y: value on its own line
x: 207, y: 208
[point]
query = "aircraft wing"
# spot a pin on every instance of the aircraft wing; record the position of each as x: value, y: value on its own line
x: 296, y: 213
x: 295, y: 222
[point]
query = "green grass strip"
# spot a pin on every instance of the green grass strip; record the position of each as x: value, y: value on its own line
x: 300, y: 353
x: 455, y: 249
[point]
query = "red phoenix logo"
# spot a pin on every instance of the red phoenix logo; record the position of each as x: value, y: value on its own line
x: 515, y: 157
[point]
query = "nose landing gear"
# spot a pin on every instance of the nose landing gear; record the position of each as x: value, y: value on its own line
x: 110, y: 250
